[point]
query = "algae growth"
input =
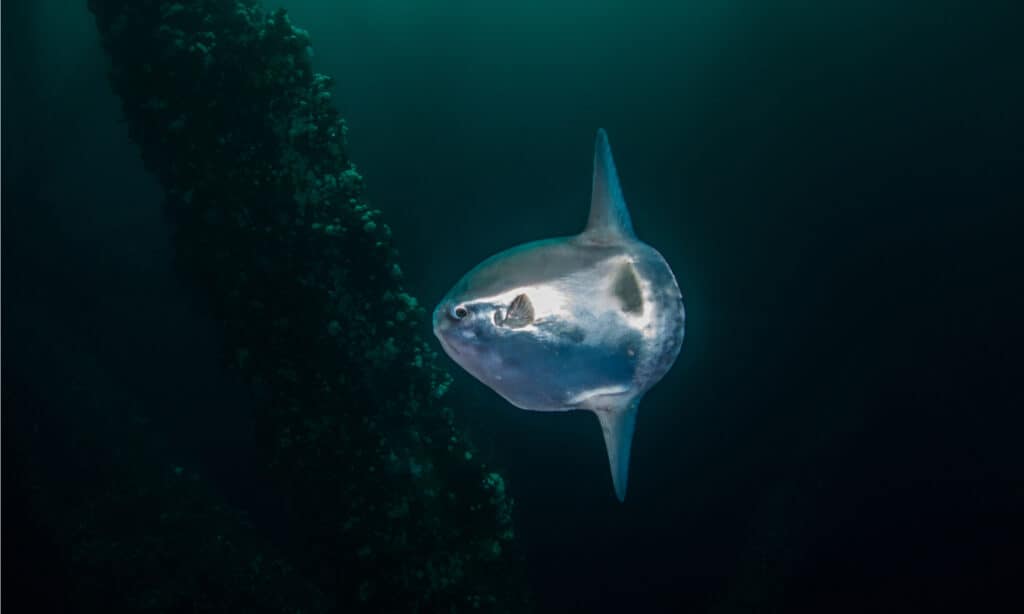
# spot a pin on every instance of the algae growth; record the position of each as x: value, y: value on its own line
x: 391, y: 509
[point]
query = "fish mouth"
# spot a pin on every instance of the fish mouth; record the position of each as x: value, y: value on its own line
x: 440, y: 328
x: 448, y: 347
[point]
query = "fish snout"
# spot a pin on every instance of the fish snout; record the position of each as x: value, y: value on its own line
x: 448, y: 314
x: 439, y: 318
x: 453, y: 326
x: 450, y: 320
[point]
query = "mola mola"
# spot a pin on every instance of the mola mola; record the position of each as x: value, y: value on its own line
x: 590, y: 321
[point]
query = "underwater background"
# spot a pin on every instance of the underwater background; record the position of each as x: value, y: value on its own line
x: 220, y: 389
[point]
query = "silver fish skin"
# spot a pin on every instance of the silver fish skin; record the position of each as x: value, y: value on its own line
x: 589, y: 322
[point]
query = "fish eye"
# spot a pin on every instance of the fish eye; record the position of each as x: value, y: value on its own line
x: 460, y: 312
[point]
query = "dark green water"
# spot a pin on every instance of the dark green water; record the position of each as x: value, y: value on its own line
x: 837, y: 187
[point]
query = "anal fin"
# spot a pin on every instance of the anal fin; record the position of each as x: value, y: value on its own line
x: 618, y: 421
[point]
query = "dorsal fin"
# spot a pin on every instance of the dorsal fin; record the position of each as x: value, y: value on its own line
x: 609, y: 217
x: 617, y: 424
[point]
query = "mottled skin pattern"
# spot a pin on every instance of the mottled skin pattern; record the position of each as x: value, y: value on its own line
x: 573, y: 359
x: 584, y: 322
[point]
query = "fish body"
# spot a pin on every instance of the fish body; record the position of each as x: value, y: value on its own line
x: 590, y: 321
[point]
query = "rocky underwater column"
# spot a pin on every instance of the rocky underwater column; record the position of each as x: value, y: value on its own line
x: 392, y: 509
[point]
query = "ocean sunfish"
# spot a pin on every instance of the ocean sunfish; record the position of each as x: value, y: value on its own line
x: 590, y: 321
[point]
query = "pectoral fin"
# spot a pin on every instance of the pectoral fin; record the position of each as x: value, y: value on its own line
x: 617, y: 424
x: 520, y: 312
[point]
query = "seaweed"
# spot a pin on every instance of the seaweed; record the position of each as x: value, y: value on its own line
x: 389, y: 507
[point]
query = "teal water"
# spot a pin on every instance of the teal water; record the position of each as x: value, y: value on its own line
x: 835, y: 185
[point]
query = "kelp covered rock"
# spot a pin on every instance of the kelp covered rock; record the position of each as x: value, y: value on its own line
x: 270, y: 220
